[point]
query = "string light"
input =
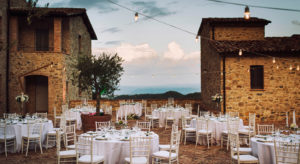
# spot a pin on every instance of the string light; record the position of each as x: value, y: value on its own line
x: 136, y: 16
x: 298, y: 68
x: 240, y: 52
x: 248, y: 70
x: 277, y: 67
x: 274, y: 61
x: 247, y: 13
x: 291, y: 67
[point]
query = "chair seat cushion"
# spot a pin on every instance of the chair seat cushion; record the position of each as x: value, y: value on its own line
x: 137, y: 160
x: 31, y: 136
x: 225, y: 132
x: 8, y: 136
x: 188, y: 117
x: 170, y: 118
x: 71, y: 146
x: 52, y: 132
x: 164, y: 154
x: 166, y: 147
x: 243, y: 150
x: 244, y: 158
x: 67, y: 153
x: 87, y: 159
x: 204, y: 132
x: 154, y: 118
x: 190, y: 129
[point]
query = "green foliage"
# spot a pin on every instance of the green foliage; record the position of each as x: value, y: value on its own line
x: 33, y: 10
x: 100, y: 74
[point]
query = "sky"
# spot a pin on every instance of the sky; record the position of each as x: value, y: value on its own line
x: 158, y: 55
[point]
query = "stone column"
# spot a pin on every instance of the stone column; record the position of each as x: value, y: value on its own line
x: 57, y: 34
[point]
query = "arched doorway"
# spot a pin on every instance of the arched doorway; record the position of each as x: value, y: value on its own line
x: 37, y: 90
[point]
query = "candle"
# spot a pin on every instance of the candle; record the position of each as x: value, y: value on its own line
x: 287, y: 119
x: 294, y: 118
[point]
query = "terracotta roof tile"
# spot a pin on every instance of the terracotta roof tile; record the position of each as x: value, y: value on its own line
x: 269, y: 44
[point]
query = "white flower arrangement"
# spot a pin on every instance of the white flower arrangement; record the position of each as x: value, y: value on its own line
x: 217, y: 98
x: 22, y: 98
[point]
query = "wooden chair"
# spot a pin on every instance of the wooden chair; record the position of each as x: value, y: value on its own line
x: 51, y: 135
x: 234, y: 114
x: 187, y: 131
x: 265, y: 129
x: 173, y: 136
x: 235, y: 152
x: 287, y: 152
x: 196, y: 116
x: 84, y: 151
x: 143, y: 125
x: 232, y: 127
x: 170, y: 119
x: 203, y: 131
x: 139, y: 150
x: 248, y: 131
x: 63, y: 156
x: 100, y: 125
x: 148, y: 113
x: 170, y: 101
x: 8, y: 138
x: 41, y: 115
x: 171, y: 155
x: 70, y: 137
x: 56, y: 117
x: 34, y: 135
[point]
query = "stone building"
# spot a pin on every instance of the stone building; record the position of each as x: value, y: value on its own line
x: 41, y: 55
x: 253, y: 73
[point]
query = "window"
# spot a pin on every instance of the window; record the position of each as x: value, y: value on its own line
x: 257, y: 76
x: 79, y: 44
x: 42, y: 40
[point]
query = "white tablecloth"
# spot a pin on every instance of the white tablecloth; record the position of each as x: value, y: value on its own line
x: 163, y: 113
x: 115, y: 150
x: 21, y: 129
x: 127, y: 109
x: 265, y: 151
x: 217, y: 127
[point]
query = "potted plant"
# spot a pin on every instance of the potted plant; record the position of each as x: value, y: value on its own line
x: 101, y: 75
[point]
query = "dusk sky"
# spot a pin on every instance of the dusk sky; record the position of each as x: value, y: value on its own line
x: 158, y: 55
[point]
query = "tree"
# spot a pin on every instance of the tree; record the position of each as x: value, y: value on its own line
x: 101, y: 74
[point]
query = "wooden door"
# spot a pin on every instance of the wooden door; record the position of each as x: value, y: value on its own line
x: 37, y: 90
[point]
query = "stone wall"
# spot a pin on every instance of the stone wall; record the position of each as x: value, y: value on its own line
x: 22, y: 63
x: 239, y: 33
x: 281, y: 88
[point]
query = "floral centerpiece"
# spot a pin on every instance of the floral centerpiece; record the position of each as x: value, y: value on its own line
x: 22, y: 99
x: 133, y: 117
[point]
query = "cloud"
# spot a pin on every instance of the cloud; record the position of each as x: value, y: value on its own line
x: 296, y: 22
x: 150, y: 8
x: 145, y: 67
x: 103, y: 6
x: 114, y: 42
x: 111, y: 30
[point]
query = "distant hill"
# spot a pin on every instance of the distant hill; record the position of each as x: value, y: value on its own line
x: 166, y: 95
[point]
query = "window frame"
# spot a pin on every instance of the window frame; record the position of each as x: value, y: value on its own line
x: 257, y: 81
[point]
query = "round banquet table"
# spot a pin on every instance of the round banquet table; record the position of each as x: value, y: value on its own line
x: 163, y: 113
x: 115, y: 150
x: 217, y: 126
x: 264, y: 148
x: 20, y: 129
x: 127, y: 109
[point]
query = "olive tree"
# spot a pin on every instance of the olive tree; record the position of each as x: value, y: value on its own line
x: 101, y: 74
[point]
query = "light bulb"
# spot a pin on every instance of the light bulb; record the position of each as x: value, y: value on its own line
x: 291, y: 67
x: 136, y: 16
x: 248, y: 70
x: 274, y: 61
x: 277, y: 67
x: 298, y: 68
x: 240, y: 52
x: 247, y: 13
x: 197, y: 38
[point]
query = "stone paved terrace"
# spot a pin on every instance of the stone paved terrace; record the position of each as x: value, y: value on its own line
x: 188, y: 154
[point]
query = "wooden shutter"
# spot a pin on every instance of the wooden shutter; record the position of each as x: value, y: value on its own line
x: 42, y: 40
x: 257, y: 77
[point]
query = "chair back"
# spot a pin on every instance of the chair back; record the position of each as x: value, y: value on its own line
x: 148, y: 111
x: 174, y: 128
x: 287, y: 152
x: 41, y: 115
x: 188, y: 105
x: 234, y: 114
x: 204, y: 113
x: 9, y: 115
x: 174, y: 144
x: 265, y: 129
x: 153, y: 106
x: 170, y: 101
x: 184, y: 122
x: 140, y: 147
x: 143, y: 125
x: 84, y: 146
x: 202, y: 124
x: 108, y: 110
x: 252, y: 117
x: 70, y: 134
x: 64, y: 108
x: 34, y: 129
x: 233, y: 125
x: 234, y: 145
x: 101, y: 125
x: 58, y: 140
